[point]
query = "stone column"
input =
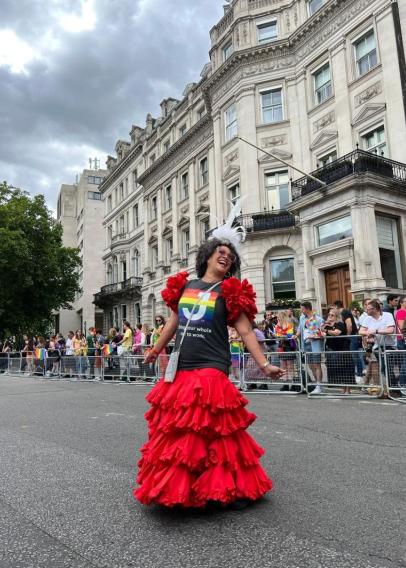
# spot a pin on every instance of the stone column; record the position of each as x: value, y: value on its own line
x: 217, y: 201
x: 342, y: 100
x: 307, y: 244
x: 175, y: 218
x: 213, y: 202
x: 160, y: 209
x: 368, y: 273
x: 248, y: 156
x: 192, y: 206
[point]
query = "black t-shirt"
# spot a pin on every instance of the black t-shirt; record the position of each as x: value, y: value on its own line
x: 345, y: 314
x: 206, y: 341
x: 337, y: 342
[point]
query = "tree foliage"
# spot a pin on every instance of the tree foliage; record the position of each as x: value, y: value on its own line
x: 37, y: 274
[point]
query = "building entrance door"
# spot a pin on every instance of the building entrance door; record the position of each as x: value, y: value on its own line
x: 338, y: 284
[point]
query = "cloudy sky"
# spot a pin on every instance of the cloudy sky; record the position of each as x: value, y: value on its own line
x: 76, y: 74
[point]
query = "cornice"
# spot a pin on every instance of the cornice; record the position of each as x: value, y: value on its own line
x: 120, y: 168
x: 194, y: 137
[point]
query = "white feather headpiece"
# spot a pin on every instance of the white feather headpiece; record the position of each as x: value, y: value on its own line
x: 227, y: 233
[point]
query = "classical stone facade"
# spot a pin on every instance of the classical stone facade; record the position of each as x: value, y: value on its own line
x: 80, y: 211
x: 314, y: 84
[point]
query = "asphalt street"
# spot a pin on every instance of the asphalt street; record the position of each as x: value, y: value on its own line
x: 67, y: 466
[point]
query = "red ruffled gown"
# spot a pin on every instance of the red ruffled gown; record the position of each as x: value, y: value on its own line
x: 198, y: 449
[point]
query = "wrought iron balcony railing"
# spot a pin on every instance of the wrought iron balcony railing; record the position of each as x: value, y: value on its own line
x: 273, y: 220
x: 359, y: 161
x: 118, y: 288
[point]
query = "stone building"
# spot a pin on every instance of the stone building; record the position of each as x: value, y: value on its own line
x: 318, y: 84
x: 80, y: 211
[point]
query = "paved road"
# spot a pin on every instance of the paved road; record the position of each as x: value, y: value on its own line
x: 67, y: 455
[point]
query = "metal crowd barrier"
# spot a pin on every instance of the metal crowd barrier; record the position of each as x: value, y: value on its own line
x: 332, y: 370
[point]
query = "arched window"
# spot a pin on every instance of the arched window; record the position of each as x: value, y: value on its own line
x: 280, y: 273
x: 136, y: 263
x: 109, y: 274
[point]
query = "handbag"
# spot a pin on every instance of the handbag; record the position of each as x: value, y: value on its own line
x: 172, y: 367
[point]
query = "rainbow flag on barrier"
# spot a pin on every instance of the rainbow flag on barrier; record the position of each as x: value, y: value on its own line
x: 107, y: 350
x: 40, y: 353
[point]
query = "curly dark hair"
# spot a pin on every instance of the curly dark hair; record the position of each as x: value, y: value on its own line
x: 208, y: 248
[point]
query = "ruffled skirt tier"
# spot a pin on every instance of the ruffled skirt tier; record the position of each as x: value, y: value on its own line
x: 198, y: 449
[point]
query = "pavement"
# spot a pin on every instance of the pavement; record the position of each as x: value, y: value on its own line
x: 67, y: 466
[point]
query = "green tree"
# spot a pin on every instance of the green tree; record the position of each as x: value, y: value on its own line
x: 37, y: 274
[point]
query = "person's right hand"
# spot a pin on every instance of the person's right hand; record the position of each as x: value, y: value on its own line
x: 150, y: 357
x: 274, y: 372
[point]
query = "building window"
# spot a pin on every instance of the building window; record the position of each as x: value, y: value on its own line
x: 168, y: 250
x: 365, y: 53
x: 314, y: 6
x: 127, y: 221
x: 116, y: 197
x: 154, y: 208
x: 375, y: 141
x: 137, y: 312
x: 322, y: 84
x: 185, y: 243
x: 122, y: 227
x: 135, y: 179
x: 123, y: 312
x: 283, y: 278
x: 152, y: 159
x: 136, y: 220
x: 271, y: 103
x: 96, y: 180
x: 200, y: 113
x: 184, y: 186
x: 123, y: 270
x: 388, y: 244
x: 94, y: 195
x: 126, y: 186
x: 109, y: 234
x: 327, y: 158
x: 167, y: 145
x: 154, y: 257
x: 230, y: 117
x: 268, y: 31
x: 168, y: 197
x: 204, y: 229
x: 136, y: 263
x: 234, y: 193
x: 335, y: 230
x: 182, y: 130
x: 115, y: 317
x: 228, y: 50
x: 121, y: 191
x: 277, y: 190
x: 109, y: 204
x: 109, y: 274
x: 204, y: 172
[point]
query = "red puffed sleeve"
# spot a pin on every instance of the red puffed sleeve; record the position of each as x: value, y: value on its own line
x: 240, y: 298
x: 174, y: 288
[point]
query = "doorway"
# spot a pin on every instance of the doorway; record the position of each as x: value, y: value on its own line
x: 338, y: 285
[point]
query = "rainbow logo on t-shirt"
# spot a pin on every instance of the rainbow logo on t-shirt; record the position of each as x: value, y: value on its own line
x: 205, y: 309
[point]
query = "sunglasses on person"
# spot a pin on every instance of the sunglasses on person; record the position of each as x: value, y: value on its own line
x: 158, y: 321
x: 223, y: 252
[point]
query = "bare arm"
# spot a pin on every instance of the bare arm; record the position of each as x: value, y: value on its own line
x: 167, y: 333
x: 244, y: 328
x: 348, y: 325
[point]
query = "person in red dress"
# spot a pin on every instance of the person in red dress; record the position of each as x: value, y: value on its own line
x: 198, y: 450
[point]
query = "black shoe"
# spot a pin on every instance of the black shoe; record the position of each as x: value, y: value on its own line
x: 263, y: 387
x: 284, y: 388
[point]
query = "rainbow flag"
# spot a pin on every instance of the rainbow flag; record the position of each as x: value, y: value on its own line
x: 107, y: 349
x: 40, y: 353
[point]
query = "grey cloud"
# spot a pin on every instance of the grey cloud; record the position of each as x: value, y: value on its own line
x: 88, y: 91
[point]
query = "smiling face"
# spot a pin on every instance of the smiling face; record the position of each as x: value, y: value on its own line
x: 221, y: 260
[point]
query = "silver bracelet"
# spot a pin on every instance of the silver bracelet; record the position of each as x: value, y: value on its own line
x: 265, y: 365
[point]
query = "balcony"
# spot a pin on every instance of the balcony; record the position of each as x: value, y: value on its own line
x: 129, y: 288
x: 275, y: 220
x: 356, y: 162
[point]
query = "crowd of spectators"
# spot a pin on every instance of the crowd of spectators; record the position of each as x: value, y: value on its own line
x: 349, y: 339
